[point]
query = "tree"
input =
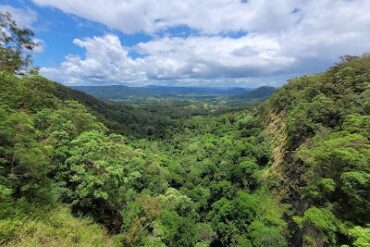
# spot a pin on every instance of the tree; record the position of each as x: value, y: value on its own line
x: 177, y: 231
x: 14, y: 40
x: 97, y: 172
x: 24, y: 160
x: 361, y: 235
x: 230, y: 218
x: 264, y: 235
x: 319, y: 227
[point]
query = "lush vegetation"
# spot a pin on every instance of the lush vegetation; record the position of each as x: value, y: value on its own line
x: 146, y: 118
x: 322, y: 126
x: 192, y: 188
x: 155, y: 118
x: 293, y: 171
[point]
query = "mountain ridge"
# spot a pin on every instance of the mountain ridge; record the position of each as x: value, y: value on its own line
x: 121, y: 92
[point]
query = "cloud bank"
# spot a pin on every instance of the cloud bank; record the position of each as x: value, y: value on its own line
x: 232, y: 42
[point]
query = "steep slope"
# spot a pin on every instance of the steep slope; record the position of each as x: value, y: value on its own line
x: 320, y: 127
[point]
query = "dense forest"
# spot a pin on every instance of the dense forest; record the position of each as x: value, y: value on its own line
x: 78, y: 171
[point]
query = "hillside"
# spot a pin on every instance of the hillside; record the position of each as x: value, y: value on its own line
x: 320, y: 126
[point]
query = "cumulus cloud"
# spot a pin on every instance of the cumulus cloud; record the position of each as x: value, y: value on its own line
x: 278, y: 38
x: 106, y: 60
x: 208, y: 16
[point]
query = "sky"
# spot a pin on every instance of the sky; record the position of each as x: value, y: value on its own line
x: 246, y: 43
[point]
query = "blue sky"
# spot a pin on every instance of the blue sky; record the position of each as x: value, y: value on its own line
x: 58, y: 30
x: 210, y: 42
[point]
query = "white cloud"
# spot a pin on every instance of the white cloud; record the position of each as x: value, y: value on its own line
x: 208, y: 16
x: 170, y: 59
x: 105, y: 59
x: 283, y: 37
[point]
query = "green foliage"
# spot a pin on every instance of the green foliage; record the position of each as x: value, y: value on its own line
x: 243, y: 174
x: 181, y: 204
x: 265, y: 235
x: 149, y: 117
x: 21, y: 224
x: 342, y: 159
x: 177, y: 231
x: 326, y: 155
x: 361, y: 236
x: 95, y: 168
x: 320, y: 226
x: 244, y: 216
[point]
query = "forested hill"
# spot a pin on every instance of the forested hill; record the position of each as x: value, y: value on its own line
x: 320, y: 128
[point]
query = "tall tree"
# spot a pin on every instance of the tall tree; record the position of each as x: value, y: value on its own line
x: 14, y: 41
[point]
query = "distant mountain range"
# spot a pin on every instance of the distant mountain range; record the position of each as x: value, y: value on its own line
x: 120, y: 92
